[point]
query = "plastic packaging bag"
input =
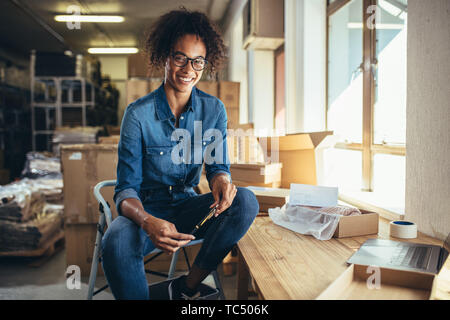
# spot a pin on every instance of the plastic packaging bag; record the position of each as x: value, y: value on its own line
x: 306, y: 221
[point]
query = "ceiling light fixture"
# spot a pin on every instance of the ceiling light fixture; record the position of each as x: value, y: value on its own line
x: 88, y: 18
x: 113, y: 50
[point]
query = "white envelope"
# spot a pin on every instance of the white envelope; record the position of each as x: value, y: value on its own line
x: 315, y: 196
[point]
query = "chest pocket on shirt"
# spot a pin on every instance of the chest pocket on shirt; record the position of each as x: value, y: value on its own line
x: 158, y: 160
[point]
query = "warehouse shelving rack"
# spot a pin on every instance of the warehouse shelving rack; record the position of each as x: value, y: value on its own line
x: 57, y: 85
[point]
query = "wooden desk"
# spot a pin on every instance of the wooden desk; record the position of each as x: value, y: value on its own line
x: 286, y: 265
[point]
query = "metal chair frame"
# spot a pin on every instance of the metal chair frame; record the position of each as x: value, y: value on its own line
x: 105, y: 220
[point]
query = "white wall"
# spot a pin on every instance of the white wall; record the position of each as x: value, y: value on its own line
x: 428, y: 117
x: 305, y: 50
x: 262, y: 88
x: 237, y: 66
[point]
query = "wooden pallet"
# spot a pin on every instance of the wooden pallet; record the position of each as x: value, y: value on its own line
x: 52, y: 245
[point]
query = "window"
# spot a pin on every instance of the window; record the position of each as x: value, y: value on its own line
x: 366, y: 95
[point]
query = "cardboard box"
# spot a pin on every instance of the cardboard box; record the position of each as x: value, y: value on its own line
x: 232, y: 117
x: 80, y: 244
x: 243, y: 147
x: 394, y: 284
x: 270, y: 197
x: 210, y: 87
x: 247, y: 148
x: 229, y: 94
x: 360, y: 225
x: 83, y: 166
x: 109, y: 140
x: 137, y: 88
x: 264, y: 173
x: 138, y: 67
x: 301, y: 155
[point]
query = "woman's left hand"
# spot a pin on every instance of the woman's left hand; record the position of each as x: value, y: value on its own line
x: 223, y: 192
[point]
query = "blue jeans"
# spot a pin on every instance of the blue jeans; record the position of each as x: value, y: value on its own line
x: 125, y: 244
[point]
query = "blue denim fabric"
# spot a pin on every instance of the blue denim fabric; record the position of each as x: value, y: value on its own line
x: 148, y: 139
x: 125, y: 244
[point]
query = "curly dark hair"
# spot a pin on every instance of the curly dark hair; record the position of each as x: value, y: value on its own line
x: 166, y: 31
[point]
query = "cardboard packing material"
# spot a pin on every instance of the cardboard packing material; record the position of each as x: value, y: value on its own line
x: 229, y: 94
x: 80, y: 244
x: 360, y: 225
x: 210, y: 87
x: 83, y: 166
x: 301, y: 155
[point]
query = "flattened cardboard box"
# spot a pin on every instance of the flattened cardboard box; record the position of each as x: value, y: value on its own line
x: 83, y: 166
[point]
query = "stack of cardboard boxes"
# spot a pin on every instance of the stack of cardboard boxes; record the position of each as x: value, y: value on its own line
x: 228, y: 92
x: 83, y: 166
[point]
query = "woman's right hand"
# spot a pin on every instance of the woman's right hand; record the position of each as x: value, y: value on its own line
x: 164, y: 234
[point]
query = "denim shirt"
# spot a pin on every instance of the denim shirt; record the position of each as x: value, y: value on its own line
x: 154, y: 154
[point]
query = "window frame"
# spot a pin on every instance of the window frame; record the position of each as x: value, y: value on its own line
x: 367, y: 147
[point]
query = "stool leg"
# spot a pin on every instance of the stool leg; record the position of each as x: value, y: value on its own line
x: 95, y: 258
x: 173, y: 264
x: 218, y: 284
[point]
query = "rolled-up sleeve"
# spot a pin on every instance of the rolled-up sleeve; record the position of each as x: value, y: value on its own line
x: 220, y: 167
x: 129, y: 166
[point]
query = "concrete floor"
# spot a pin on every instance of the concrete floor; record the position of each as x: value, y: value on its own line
x: 19, y: 280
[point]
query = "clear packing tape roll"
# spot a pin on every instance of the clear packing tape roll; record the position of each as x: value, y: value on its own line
x: 403, y: 229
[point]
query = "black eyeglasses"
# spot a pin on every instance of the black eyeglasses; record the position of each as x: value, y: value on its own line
x: 181, y: 60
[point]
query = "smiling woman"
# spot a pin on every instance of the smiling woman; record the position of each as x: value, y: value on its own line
x: 170, y: 27
x: 154, y: 193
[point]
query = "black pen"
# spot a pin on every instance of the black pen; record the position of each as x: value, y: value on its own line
x: 209, y: 216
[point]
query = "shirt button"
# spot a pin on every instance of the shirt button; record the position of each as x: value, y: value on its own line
x: 161, y: 153
x: 204, y: 143
x: 181, y: 117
